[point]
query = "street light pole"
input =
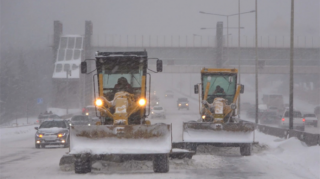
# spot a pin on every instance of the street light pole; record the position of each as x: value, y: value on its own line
x: 256, y: 65
x: 291, y: 66
x: 239, y: 71
x: 68, y: 72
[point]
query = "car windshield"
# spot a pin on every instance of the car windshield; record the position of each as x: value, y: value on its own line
x: 80, y: 118
x: 157, y: 108
x: 309, y: 115
x: 50, y: 124
x: 295, y: 114
x: 183, y: 100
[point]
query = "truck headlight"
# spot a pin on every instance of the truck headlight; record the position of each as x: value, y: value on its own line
x: 203, y: 116
x: 142, y: 102
x: 99, y: 102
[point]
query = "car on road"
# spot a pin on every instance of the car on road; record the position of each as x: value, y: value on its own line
x: 91, y: 112
x: 183, y: 103
x: 158, y: 111
x: 298, y: 121
x: 80, y: 120
x: 311, y: 119
x: 52, y: 132
x: 169, y: 94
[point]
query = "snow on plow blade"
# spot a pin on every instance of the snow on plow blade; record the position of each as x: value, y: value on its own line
x: 129, y: 139
x: 217, y: 133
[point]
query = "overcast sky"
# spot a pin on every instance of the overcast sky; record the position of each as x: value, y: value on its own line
x: 30, y: 22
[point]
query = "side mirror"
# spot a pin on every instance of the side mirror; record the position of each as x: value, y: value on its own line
x: 196, y: 89
x: 84, y: 67
x: 36, y: 128
x: 242, y: 89
x: 159, y: 65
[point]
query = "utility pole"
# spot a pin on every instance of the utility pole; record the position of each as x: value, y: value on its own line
x: 256, y: 66
x: 291, y: 66
x: 239, y: 71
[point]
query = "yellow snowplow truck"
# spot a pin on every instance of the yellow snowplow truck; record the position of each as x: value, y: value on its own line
x: 123, y: 132
x: 218, y: 124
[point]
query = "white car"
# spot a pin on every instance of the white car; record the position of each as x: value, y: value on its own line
x: 298, y: 121
x: 311, y: 119
x: 158, y: 111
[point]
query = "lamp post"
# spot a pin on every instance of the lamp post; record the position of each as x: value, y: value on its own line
x: 291, y: 66
x: 256, y: 62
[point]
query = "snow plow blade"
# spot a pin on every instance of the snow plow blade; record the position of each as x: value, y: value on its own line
x: 128, y: 139
x: 208, y: 132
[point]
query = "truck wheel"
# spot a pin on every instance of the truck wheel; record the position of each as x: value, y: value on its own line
x: 246, y: 149
x: 161, y: 163
x: 82, y: 165
x: 37, y: 146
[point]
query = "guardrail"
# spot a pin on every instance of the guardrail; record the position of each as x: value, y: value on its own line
x: 308, y: 138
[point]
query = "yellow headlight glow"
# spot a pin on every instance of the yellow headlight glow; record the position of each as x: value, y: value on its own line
x: 87, y: 114
x: 60, y: 135
x: 142, y: 102
x: 203, y: 116
x: 187, y: 104
x: 40, y: 135
x: 98, y: 102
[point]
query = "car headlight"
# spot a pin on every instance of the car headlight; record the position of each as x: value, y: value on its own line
x: 61, y: 135
x: 179, y: 104
x: 87, y: 114
x: 203, y: 116
x: 187, y: 104
x: 152, y: 112
x: 40, y: 135
x: 89, y: 124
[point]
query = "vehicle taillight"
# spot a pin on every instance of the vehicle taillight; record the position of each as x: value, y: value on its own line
x: 303, y: 120
x: 283, y: 119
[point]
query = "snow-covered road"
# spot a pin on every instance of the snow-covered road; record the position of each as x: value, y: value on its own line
x: 273, y: 158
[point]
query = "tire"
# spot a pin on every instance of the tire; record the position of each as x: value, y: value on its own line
x: 246, y: 149
x: 43, y: 146
x: 161, y: 163
x: 37, y: 146
x: 82, y: 166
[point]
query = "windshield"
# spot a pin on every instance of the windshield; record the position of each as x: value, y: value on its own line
x: 157, y: 108
x: 50, y: 124
x: 80, y: 118
x: 183, y: 100
x: 220, y: 86
x: 295, y: 114
x: 122, y: 72
x: 309, y: 115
